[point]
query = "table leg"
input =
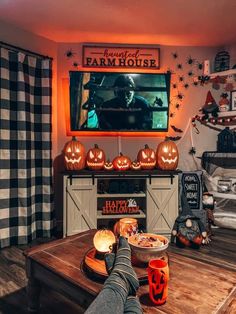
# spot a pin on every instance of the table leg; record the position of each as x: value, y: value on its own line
x: 33, y: 293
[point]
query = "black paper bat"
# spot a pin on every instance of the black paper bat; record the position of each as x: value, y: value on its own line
x: 176, y: 129
x: 173, y: 138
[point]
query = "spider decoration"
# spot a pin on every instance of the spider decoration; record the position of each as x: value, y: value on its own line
x: 203, y: 79
x: 177, y: 106
x: 70, y: 54
x: 179, y: 66
x: 169, y: 70
x: 172, y: 114
x: 190, y: 60
x: 190, y: 73
x: 195, y: 83
x: 75, y: 64
x: 175, y: 55
x: 179, y: 96
x: 192, y: 151
x: 199, y: 65
x: 181, y: 78
x: 175, y: 85
x: 186, y: 85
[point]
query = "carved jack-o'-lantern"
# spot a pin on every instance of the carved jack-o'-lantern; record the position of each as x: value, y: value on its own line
x: 103, y: 240
x: 108, y: 165
x: 147, y: 158
x: 158, y: 277
x: 121, y: 162
x: 95, y: 159
x: 135, y: 165
x: 74, y: 155
x: 167, y: 156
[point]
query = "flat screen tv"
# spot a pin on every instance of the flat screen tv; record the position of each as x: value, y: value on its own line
x: 115, y: 102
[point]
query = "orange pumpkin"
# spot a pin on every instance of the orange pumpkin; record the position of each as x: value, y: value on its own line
x: 95, y: 159
x: 108, y: 165
x: 135, y: 165
x: 167, y: 155
x: 121, y: 162
x: 74, y: 155
x: 147, y: 158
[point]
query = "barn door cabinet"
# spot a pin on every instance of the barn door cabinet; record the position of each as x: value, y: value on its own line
x: 86, y: 192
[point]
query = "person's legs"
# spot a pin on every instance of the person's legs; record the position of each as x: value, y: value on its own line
x: 132, y: 305
x: 108, y: 301
x: 121, y: 282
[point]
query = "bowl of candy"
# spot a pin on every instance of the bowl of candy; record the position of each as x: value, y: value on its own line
x: 147, y: 246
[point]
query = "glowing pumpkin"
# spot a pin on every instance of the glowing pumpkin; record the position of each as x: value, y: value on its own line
x: 167, y: 156
x: 108, y: 165
x: 135, y: 165
x: 147, y: 158
x: 158, y: 277
x: 74, y: 155
x: 103, y: 240
x: 121, y: 162
x: 95, y: 159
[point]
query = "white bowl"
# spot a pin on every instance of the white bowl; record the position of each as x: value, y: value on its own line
x: 145, y: 254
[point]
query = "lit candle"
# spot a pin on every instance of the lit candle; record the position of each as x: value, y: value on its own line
x: 128, y: 226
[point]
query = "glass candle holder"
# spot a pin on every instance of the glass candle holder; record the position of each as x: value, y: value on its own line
x: 158, y: 278
x: 128, y: 227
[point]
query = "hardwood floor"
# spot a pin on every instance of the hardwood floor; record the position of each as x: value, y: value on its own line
x: 221, y: 252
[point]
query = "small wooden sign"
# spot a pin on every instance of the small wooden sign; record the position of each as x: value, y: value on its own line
x: 120, y: 207
x: 191, y: 186
x: 124, y: 57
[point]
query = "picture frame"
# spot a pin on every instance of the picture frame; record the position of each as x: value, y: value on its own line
x: 233, y: 100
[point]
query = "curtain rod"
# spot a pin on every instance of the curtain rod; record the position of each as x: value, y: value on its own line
x: 15, y: 48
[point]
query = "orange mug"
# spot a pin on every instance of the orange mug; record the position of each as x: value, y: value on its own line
x: 158, y: 277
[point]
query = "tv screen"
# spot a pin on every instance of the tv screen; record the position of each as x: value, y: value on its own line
x: 111, y: 101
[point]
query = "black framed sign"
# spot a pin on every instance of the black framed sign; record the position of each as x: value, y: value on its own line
x: 191, y: 186
x: 122, y: 57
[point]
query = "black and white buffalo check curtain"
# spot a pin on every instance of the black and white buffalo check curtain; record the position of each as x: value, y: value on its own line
x: 25, y: 148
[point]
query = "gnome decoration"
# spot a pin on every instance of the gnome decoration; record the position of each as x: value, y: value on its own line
x: 210, y: 107
x: 188, y: 229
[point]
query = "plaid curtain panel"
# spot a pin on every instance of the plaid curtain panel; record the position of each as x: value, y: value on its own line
x: 25, y: 148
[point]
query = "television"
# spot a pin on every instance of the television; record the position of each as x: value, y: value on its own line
x: 117, y: 103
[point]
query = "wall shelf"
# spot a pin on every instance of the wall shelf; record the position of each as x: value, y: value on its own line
x: 118, y: 216
x: 223, y: 73
x: 222, y: 120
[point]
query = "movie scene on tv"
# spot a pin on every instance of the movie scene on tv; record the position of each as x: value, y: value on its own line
x: 119, y: 101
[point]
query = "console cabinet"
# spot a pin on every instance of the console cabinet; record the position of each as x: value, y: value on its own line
x: 86, y: 192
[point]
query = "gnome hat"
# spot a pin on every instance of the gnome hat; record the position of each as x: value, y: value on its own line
x: 186, y: 212
x: 209, y: 99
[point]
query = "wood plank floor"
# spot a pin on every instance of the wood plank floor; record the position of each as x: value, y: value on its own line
x: 221, y: 252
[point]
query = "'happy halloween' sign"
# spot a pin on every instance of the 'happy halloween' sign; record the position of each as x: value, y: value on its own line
x: 120, y: 207
x: 121, y: 57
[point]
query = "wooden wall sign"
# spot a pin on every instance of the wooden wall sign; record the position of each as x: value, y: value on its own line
x: 128, y: 206
x: 123, y: 57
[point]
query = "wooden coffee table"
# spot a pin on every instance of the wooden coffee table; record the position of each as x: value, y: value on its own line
x: 193, y: 286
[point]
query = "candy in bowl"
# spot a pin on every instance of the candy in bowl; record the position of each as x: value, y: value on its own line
x: 147, y: 246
